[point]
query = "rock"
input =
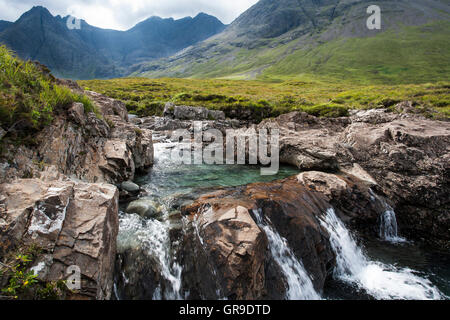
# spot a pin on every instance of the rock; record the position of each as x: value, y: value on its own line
x: 76, y: 113
x: 108, y: 106
x: 139, y: 277
x: 373, y: 116
x: 67, y: 209
x: 357, y: 171
x: 191, y: 113
x: 74, y: 224
x: 84, y: 146
x: 2, y: 133
x: 130, y: 187
x: 232, y: 258
x: 145, y: 208
x: 223, y: 222
x: 327, y: 184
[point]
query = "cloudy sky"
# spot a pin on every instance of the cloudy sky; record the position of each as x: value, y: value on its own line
x: 123, y: 14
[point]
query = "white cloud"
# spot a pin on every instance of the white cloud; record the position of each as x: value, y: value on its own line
x: 124, y: 14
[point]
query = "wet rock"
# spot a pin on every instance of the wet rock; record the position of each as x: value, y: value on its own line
x: 76, y: 113
x: 145, y: 208
x: 74, y: 224
x: 327, y: 184
x: 130, y: 187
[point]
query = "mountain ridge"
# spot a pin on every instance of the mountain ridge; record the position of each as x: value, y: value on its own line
x: 257, y: 44
x: 93, y: 52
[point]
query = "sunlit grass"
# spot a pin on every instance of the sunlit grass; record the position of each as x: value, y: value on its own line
x: 316, y: 96
x: 29, y: 95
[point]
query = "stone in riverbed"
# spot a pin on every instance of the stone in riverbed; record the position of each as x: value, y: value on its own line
x: 234, y: 245
x: 130, y: 187
x: 145, y: 208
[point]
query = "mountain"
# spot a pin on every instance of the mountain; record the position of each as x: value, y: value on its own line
x: 92, y: 52
x: 326, y: 38
x: 4, y: 25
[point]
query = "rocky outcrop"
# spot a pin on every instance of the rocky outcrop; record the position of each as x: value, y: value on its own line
x: 231, y: 252
x: 75, y: 224
x: 92, y: 147
x: 403, y: 157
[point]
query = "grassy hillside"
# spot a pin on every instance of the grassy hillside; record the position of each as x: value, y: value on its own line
x: 147, y: 97
x: 414, y: 54
x: 30, y: 97
x: 411, y: 55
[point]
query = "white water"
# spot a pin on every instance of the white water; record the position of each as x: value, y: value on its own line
x: 388, y: 226
x: 300, y: 286
x: 152, y: 235
x: 379, y: 280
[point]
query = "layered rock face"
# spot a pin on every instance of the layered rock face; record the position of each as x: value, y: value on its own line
x: 68, y: 205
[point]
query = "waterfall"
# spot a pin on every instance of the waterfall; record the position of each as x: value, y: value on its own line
x: 388, y: 228
x: 153, y: 236
x: 379, y: 280
x: 300, y: 286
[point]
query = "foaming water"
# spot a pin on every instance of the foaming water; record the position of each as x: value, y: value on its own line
x: 382, y: 281
x: 152, y: 236
x: 300, y: 286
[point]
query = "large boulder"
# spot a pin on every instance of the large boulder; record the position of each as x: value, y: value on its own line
x: 75, y: 224
x: 231, y: 254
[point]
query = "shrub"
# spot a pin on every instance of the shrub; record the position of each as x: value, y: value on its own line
x: 327, y: 110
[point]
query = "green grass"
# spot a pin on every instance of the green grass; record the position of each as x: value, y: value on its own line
x: 29, y: 96
x: 331, y: 98
x: 407, y: 55
x: 410, y: 55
